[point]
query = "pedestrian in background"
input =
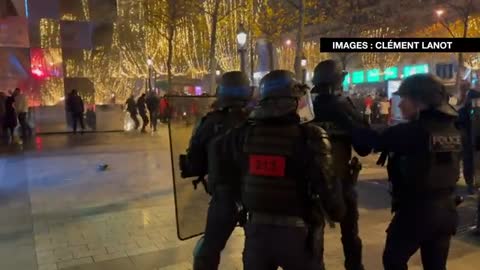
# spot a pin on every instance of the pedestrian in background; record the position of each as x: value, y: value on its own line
x: 132, y: 110
x: 384, y: 110
x: 142, y: 110
x: 10, y: 119
x: 21, y: 106
x: 3, y: 98
x: 153, y: 107
x: 76, y: 109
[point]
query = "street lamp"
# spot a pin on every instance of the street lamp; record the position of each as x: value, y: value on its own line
x: 218, y: 72
x: 150, y: 64
x: 288, y: 42
x: 439, y: 12
x: 241, y: 41
x: 303, y: 63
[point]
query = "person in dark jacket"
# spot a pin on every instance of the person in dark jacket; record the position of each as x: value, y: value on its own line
x: 335, y: 115
x: 76, y: 108
x: 423, y: 168
x: 10, y: 119
x: 3, y: 98
x: 132, y: 110
x: 153, y: 107
x: 465, y: 125
x: 142, y: 110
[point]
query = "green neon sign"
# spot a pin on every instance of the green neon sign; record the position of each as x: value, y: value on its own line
x: 390, y: 73
x: 358, y: 77
x: 416, y: 69
x: 373, y: 75
x: 346, y: 81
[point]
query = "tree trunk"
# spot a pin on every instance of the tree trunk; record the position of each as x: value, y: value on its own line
x: 171, y: 36
x: 461, y: 66
x: 213, y: 42
x: 300, y: 34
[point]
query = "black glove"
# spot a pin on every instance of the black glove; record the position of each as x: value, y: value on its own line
x: 185, y: 170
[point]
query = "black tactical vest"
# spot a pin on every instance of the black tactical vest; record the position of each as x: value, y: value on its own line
x: 274, y: 182
x: 327, y: 112
x: 432, y: 172
x: 212, y: 125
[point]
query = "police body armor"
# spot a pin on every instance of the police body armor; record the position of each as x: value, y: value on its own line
x: 427, y: 175
x: 273, y: 184
x: 191, y: 205
x: 327, y: 117
x: 211, y: 125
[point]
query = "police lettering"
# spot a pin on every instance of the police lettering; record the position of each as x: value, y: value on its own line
x: 446, y: 143
x: 446, y: 140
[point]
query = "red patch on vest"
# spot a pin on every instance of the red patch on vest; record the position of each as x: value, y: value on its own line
x: 262, y: 165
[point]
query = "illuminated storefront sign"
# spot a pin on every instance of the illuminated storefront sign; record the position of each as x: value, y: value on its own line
x: 390, y: 73
x: 373, y: 75
x: 358, y: 77
x: 417, y: 69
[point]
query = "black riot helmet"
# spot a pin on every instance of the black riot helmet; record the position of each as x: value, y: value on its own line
x: 281, y: 94
x: 327, y: 77
x: 280, y: 84
x: 233, y: 90
x: 428, y: 90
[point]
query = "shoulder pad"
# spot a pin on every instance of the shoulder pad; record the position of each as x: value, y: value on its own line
x: 314, y: 131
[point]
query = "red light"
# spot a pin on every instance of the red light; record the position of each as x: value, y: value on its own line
x: 38, y: 72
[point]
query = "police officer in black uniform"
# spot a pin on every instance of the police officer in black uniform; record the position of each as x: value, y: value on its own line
x: 233, y: 94
x: 285, y: 175
x: 465, y: 125
x: 335, y: 114
x: 423, y: 168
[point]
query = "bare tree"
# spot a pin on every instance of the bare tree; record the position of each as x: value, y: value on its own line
x: 454, y: 13
x: 166, y: 17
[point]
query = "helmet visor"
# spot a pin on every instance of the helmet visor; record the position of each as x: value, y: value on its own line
x: 305, y: 108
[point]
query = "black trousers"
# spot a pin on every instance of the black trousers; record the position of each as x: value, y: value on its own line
x: 468, y: 166
x: 221, y: 221
x: 352, y: 244
x: 25, y: 128
x: 135, y: 120
x: 77, y: 118
x: 268, y: 247
x: 429, y: 230
x: 153, y: 120
x: 144, y: 120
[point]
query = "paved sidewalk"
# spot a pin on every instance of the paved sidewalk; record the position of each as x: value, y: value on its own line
x: 62, y: 213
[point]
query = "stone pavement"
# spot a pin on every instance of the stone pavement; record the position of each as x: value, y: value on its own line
x: 60, y: 212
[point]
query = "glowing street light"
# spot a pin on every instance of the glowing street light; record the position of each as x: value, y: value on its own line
x: 241, y: 41
x: 150, y: 64
x: 241, y: 37
x: 288, y: 42
x: 439, y: 12
x: 303, y: 63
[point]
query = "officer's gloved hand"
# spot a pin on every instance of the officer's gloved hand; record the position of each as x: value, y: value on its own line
x: 185, y: 170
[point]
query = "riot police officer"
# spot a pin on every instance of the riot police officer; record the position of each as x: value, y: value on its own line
x: 285, y: 176
x: 465, y: 125
x: 233, y: 94
x: 423, y: 168
x: 335, y: 114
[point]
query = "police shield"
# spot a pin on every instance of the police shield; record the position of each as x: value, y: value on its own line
x: 191, y: 203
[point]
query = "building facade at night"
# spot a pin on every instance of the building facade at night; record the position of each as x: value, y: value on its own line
x: 48, y: 47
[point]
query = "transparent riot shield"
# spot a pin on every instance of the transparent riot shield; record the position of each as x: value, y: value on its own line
x: 191, y: 204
